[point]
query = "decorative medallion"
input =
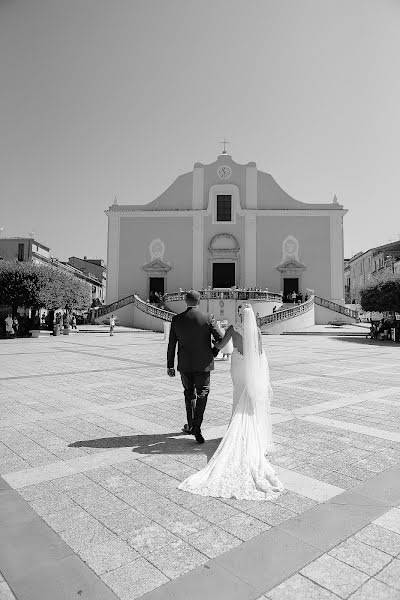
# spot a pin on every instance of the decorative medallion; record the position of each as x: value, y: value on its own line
x: 290, y: 263
x: 157, y: 249
x: 157, y: 263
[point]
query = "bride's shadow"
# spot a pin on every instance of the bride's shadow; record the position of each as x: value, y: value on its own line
x: 161, y: 443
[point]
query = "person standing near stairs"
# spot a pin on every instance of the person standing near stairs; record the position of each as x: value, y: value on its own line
x: 112, y: 324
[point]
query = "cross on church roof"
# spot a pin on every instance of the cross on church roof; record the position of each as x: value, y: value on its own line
x: 224, y: 143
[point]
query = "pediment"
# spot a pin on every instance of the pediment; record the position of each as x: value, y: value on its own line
x: 223, y: 244
x: 291, y: 265
x: 157, y: 265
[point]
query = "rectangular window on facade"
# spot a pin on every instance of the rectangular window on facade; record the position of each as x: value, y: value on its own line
x: 224, y: 208
x: 21, y: 252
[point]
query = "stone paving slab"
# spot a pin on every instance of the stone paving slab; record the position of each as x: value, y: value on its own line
x: 90, y: 439
x: 35, y: 562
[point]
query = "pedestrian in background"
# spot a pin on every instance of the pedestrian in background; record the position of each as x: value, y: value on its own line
x: 8, y: 321
x: 112, y: 324
x: 16, y: 325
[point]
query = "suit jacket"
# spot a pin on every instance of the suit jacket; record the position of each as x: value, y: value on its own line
x: 192, y: 331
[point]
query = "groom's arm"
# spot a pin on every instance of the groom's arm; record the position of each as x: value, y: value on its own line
x: 215, y: 331
x: 173, y: 340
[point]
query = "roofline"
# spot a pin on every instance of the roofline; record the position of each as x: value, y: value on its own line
x: 127, y: 208
x: 373, y: 249
x: 26, y: 239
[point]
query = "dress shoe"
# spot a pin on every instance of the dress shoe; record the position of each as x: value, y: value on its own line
x: 199, y: 438
x: 186, y: 429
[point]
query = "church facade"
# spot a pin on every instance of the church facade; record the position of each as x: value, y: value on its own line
x: 222, y: 225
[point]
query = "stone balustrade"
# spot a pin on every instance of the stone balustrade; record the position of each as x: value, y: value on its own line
x: 228, y: 294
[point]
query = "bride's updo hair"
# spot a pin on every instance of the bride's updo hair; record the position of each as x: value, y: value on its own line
x: 242, y: 307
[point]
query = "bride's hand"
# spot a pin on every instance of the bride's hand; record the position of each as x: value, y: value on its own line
x: 225, y: 339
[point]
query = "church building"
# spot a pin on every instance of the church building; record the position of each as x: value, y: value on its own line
x: 222, y: 225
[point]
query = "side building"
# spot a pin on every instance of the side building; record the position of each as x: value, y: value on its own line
x: 364, y: 266
x: 96, y: 269
x: 27, y: 249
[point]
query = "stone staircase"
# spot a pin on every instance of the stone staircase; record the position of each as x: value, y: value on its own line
x: 287, y: 312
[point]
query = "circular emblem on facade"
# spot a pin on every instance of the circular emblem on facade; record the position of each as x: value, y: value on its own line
x: 224, y: 172
x: 221, y: 303
x: 290, y: 246
x: 157, y: 249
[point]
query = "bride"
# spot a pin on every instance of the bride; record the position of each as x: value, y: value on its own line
x: 239, y: 468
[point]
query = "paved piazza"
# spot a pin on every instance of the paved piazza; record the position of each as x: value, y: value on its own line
x: 91, y: 455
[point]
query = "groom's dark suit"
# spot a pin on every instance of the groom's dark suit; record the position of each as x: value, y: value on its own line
x: 192, y: 331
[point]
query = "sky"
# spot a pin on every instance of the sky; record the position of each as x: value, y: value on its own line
x: 118, y: 98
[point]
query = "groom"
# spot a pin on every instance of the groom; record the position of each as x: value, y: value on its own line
x: 192, y: 331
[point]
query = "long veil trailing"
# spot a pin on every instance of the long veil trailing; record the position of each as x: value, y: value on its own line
x: 257, y: 379
x: 239, y: 467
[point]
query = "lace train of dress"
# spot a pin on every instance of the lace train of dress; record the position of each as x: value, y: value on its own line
x: 239, y: 468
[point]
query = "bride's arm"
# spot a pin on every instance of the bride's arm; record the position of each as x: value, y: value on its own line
x: 225, y: 339
x: 260, y: 347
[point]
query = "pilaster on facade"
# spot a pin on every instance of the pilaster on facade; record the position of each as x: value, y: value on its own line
x: 250, y: 252
x: 198, y: 251
x: 113, y: 252
x: 337, y: 256
x: 251, y: 186
x: 198, y: 188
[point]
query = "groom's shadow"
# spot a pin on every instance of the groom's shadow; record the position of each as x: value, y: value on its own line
x: 159, y: 443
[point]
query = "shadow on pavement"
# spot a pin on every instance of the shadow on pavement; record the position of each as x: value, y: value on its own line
x: 369, y: 342
x: 165, y: 443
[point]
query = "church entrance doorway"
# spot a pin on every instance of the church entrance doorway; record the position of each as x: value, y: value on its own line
x: 156, y: 286
x: 290, y: 285
x: 223, y: 275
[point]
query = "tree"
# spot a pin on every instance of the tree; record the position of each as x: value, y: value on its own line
x: 77, y: 293
x: 41, y: 286
x: 19, y: 284
x: 382, y: 294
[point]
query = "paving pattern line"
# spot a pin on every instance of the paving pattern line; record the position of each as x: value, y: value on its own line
x: 345, y: 400
x: 365, y: 429
x: 63, y: 468
x: 80, y: 372
x: 117, y: 358
x: 81, y: 407
x: 304, y: 485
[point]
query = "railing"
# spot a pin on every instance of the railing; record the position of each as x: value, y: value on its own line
x: 343, y: 310
x: 228, y: 294
x: 288, y: 313
x: 110, y: 308
x: 149, y: 309
x: 152, y: 310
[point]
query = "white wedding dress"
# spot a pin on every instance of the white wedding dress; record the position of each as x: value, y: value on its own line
x: 239, y: 468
